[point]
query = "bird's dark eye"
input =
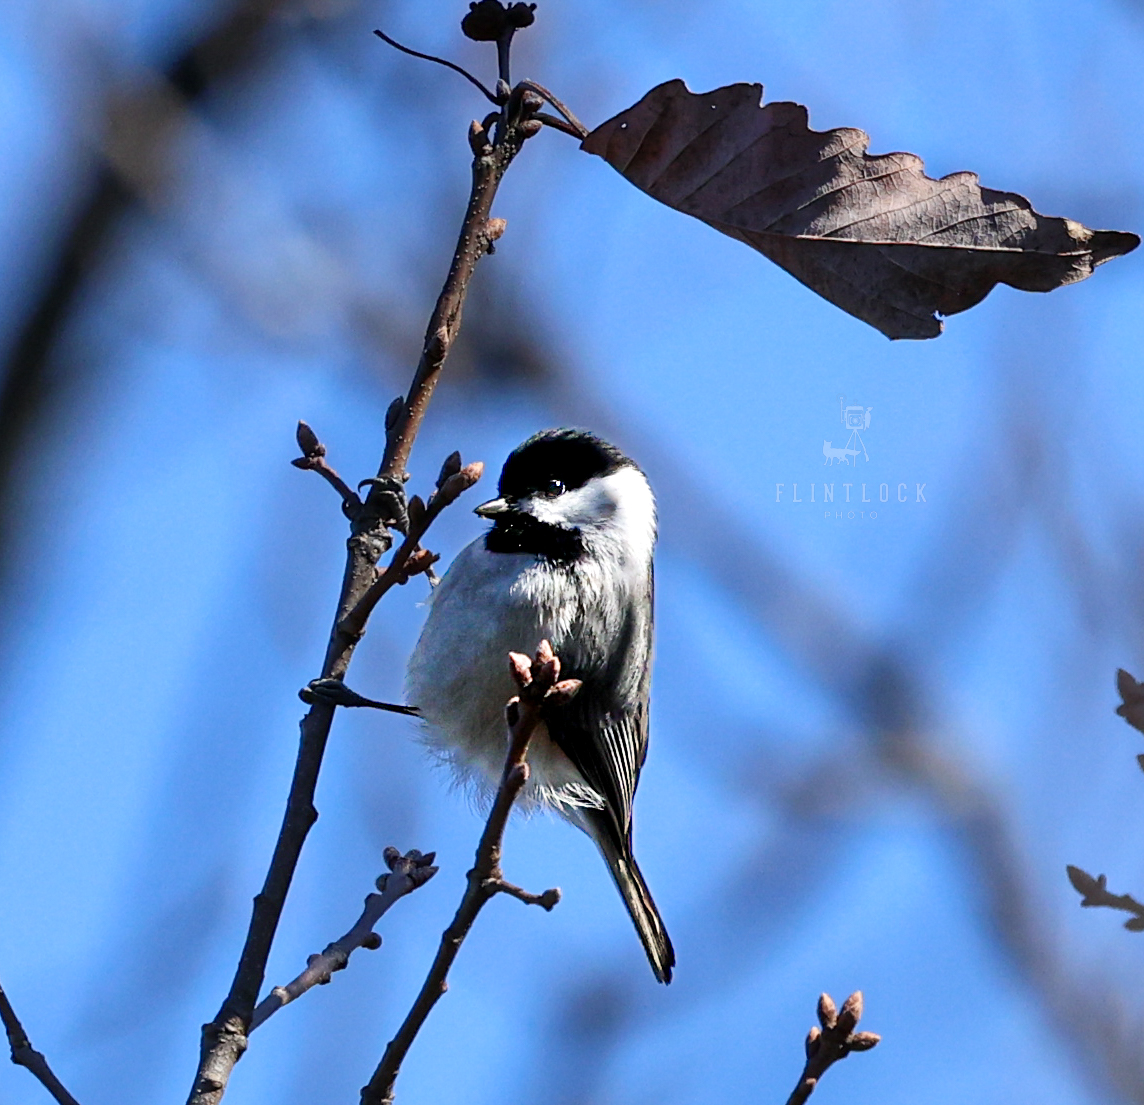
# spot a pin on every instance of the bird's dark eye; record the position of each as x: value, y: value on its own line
x: 553, y: 488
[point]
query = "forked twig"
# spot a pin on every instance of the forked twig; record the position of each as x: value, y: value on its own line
x: 834, y: 1040
x: 538, y: 681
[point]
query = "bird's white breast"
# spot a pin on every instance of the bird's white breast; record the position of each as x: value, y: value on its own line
x: 489, y: 604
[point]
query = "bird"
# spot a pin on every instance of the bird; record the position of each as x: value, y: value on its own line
x: 568, y: 558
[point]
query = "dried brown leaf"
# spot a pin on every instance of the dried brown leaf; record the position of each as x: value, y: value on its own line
x: 873, y: 235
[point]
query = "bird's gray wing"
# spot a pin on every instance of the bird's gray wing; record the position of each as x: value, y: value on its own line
x: 604, y: 729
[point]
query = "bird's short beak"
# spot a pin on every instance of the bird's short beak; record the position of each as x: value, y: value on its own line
x: 492, y: 508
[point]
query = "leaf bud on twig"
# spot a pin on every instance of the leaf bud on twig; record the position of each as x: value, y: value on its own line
x: 850, y: 1013
x: 478, y: 139
x: 416, y: 509
x: 813, y: 1040
x: 827, y: 1011
x: 520, y: 668
x: 450, y: 467
x: 308, y: 441
x: 393, y: 413
x: 530, y: 128
x: 461, y: 481
x: 863, y: 1041
x: 531, y: 101
x: 564, y: 691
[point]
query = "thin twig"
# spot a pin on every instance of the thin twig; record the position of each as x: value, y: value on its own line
x: 557, y: 123
x: 538, y: 680
x: 834, y: 1040
x: 224, y: 1039
x: 440, y: 61
x: 1095, y: 892
x: 578, y: 128
x: 313, y: 459
x: 478, y: 233
x: 26, y: 1056
x: 407, y: 873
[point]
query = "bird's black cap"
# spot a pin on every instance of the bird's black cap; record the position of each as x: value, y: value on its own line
x: 572, y: 457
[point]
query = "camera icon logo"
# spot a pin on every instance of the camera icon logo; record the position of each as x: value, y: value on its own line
x: 855, y: 419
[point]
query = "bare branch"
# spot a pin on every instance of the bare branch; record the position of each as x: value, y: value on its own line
x: 408, y: 872
x: 834, y: 1040
x: 440, y: 61
x: 410, y: 559
x: 26, y: 1056
x: 478, y: 234
x: 225, y: 1038
x: 538, y: 680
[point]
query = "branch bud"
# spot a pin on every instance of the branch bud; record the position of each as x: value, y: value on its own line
x: 863, y: 1041
x: 416, y: 509
x: 531, y: 101
x: 372, y: 942
x: 450, y: 467
x: 520, y: 668
x: 530, y: 128
x: 308, y: 441
x: 813, y: 1040
x: 393, y: 413
x: 564, y: 691
x: 478, y: 139
x: 461, y: 481
x: 850, y: 1013
x: 827, y: 1011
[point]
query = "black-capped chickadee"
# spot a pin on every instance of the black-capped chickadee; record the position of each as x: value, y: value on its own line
x: 568, y: 558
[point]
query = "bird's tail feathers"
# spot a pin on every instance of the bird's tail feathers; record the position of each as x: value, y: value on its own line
x: 645, y: 916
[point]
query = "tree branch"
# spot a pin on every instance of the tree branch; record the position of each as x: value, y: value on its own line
x: 409, y: 558
x: 492, y: 157
x: 408, y: 872
x: 835, y: 1040
x: 26, y: 1056
x: 224, y: 1039
x: 1095, y: 892
x: 538, y: 681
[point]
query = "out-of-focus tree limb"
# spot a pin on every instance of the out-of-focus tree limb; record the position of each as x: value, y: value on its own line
x: 140, y: 121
